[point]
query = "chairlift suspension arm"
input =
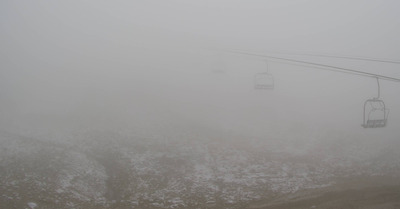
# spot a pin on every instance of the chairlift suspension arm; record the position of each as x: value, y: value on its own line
x: 379, y: 88
x: 266, y: 62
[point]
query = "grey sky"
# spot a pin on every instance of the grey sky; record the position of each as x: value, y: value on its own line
x: 61, y: 55
x: 341, y: 26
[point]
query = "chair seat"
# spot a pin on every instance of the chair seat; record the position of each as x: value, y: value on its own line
x: 260, y: 86
x: 375, y: 123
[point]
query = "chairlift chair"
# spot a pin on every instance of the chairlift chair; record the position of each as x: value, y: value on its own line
x: 375, y: 112
x: 263, y: 81
x: 219, y: 65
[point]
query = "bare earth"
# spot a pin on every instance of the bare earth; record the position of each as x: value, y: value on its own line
x: 362, y: 193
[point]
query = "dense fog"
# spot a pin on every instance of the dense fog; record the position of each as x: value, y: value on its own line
x: 148, y: 104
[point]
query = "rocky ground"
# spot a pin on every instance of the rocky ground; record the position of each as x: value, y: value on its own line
x: 104, y: 169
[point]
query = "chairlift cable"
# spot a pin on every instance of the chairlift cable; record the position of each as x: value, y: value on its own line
x: 325, y: 67
x: 370, y: 59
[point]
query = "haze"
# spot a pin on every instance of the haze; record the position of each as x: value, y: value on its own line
x: 131, y: 82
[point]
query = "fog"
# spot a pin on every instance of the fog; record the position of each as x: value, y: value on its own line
x: 100, y: 77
